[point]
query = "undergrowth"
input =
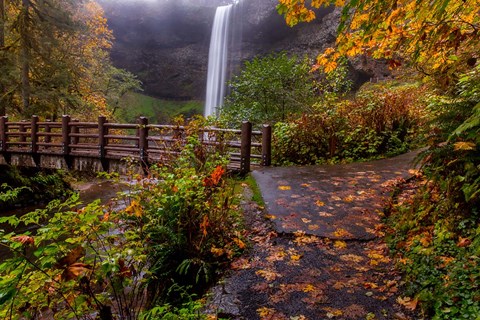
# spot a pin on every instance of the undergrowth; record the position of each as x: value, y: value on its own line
x: 435, y: 235
x: 382, y: 120
x: 148, y: 255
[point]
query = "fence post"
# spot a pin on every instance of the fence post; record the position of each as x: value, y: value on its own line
x: 142, y: 140
x: 266, y: 145
x: 74, y: 129
x: 3, y: 133
x: 66, y: 141
x: 47, y: 130
x: 33, y: 135
x: 245, y: 147
x: 65, y: 135
x: 22, y: 130
x: 102, y: 141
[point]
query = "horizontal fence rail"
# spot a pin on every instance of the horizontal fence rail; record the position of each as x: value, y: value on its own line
x: 147, y: 143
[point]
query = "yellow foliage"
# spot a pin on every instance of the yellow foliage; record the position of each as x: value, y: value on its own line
x: 426, y: 33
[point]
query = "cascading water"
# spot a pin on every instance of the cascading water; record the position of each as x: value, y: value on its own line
x: 217, y: 60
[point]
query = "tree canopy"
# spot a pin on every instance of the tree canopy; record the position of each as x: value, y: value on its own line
x: 55, y: 59
x: 438, y: 37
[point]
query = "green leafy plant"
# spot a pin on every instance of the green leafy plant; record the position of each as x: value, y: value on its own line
x: 436, y: 237
x: 154, y: 247
x: 269, y: 89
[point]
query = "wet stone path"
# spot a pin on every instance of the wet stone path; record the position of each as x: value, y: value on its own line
x: 317, y: 247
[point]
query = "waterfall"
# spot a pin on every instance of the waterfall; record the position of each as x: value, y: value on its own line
x: 217, y: 60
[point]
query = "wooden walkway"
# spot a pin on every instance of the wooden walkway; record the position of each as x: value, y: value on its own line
x: 147, y: 143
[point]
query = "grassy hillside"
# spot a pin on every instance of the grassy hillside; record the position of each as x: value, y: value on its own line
x: 134, y: 105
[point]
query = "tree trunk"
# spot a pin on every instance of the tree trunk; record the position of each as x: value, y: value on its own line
x: 25, y: 59
x: 2, y: 44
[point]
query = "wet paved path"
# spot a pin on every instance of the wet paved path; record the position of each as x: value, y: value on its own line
x: 317, y: 250
x: 337, y: 202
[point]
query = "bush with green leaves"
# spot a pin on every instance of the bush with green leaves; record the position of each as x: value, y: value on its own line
x: 436, y: 238
x: 381, y: 120
x: 269, y: 89
x: 176, y: 227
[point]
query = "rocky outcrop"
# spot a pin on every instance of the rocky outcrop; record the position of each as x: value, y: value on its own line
x: 166, y: 42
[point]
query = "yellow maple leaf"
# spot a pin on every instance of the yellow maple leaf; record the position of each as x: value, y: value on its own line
x: 265, y: 312
x: 341, y: 233
x: 309, y: 288
x: 268, y: 275
x: 295, y: 257
x: 239, y: 243
x: 217, y: 251
x: 408, y: 303
x: 319, y: 203
x: 134, y: 208
x: 284, y: 188
x: 340, y: 244
x: 464, y: 146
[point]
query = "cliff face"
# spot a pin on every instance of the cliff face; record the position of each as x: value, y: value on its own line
x: 166, y: 42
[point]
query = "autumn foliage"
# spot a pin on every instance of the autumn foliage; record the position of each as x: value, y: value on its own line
x: 438, y: 37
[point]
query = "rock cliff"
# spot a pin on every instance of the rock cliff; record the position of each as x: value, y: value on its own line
x: 166, y: 42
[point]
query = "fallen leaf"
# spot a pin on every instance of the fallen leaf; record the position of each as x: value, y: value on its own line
x: 300, y: 317
x: 239, y: 243
x: 342, y: 233
x: 265, y: 312
x: 268, y: 275
x: 75, y: 270
x: 370, y: 285
x: 262, y: 287
x: 284, y: 188
x: 463, y: 242
x: 240, y: 264
x: 319, y: 203
x: 309, y: 288
x: 305, y: 220
x: 338, y: 285
x: 305, y: 185
x: 351, y: 258
x: 339, y: 244
x: 408, y: 303
x: 325, y: 214
x: 464, y: 146
x: 332, y: 313
x: 313, y: 227
x: 217, y: 251
x: 270, y: 216
x: 295, y: 257
x: 349, y: 199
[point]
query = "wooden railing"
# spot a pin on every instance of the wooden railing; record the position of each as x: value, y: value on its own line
x: 148, y: 143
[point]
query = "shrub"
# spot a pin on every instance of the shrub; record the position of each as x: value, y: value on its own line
x: 436, y: 238
x: 380, y: 121
x: 175, y: 229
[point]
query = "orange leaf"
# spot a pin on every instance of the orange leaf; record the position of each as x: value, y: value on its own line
x: 75, y: 270
x: 24, y: 239
x: 408, y: 303
x: 284, y: 188
x: 463, y: 242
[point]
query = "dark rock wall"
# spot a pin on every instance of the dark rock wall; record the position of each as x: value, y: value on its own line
x: 166, y: 42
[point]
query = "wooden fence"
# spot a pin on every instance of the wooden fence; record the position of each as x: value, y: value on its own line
x: 147, y: 143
